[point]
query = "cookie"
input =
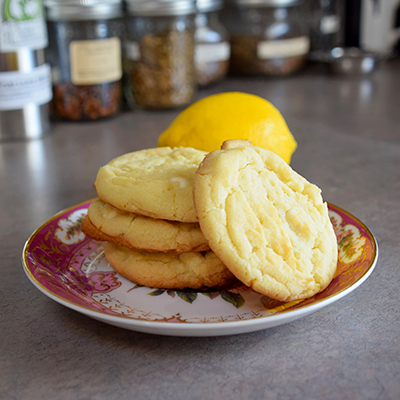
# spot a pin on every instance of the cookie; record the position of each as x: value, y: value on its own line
x: 169, y: 271
x: 233, y: 143
x: 155, y: 182
x: 267, y: 224
x: 107, y: 223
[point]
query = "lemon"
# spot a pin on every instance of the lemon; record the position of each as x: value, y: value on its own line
x: 232, y: 115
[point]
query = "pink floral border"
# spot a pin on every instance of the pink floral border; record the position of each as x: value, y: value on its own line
x: 55, y: 252
x: 54, y: 258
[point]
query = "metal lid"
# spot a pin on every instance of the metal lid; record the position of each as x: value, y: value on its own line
x: 209, y: 5
x: 82, y: 9
x: 160, y: 7
x: 268, y: 3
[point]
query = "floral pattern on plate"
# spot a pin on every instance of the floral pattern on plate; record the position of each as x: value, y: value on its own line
x: 71, y: 268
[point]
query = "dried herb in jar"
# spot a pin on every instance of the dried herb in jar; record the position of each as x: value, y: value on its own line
x: 88, y: 102
x: 245, y: 61
x: 210, y: 72
x: 84, y: 52
x: 212, y: 43
x: 164, y: 75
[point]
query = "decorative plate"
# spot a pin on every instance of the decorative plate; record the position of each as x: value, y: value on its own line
x: 71, y: 269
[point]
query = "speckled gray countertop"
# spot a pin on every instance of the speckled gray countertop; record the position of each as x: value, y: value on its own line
x: 348, y: 131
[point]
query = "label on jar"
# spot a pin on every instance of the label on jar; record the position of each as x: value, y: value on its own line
x: 95, y: 61
x: 22, y: 24
x: 329, y: 24
x: 17, y: 89
x: 132, y: 51
x: 269, y: 49
x: 212, y: 52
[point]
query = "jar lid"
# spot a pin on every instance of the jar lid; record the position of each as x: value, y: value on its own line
x: 209, y: 5
x: 82, y: 9
x: 268, y: 3
x: 160, y: 7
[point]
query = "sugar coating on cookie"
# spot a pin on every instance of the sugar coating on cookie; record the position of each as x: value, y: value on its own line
x: 154, y: 182
x: 267, y: 224
x: 169, y: 271
x: 107, y: 223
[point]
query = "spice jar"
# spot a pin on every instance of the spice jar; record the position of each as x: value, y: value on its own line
x: 268, y: 37
x: 85, y: 56
x: 159, y: 53
x: 212, y: 48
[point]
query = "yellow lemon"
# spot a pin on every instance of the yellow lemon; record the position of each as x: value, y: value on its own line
x: 232, y: 115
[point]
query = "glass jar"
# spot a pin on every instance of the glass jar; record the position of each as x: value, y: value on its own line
x: 212, y: 48
x: 325, y: 21
x: 268, y: 37
x: 85, y: 56
x: 159, y: 53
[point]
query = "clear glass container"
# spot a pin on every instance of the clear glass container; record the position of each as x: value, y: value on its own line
x: 325, y: 20
x: 158, y: 55
x: 212, y: 48
x: 268, y: 37
x: 85, y: 57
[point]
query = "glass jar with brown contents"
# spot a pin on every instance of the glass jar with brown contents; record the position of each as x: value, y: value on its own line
x: 212, y: 49
x: 85, y: 56
x: 159, y: 53
x: 268, y: 37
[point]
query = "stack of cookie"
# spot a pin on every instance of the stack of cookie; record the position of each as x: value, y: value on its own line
x: 145, y: 215
x: 180, y: 218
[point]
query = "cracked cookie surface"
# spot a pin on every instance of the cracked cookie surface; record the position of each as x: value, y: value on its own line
x: 154, y: 182
x: 267, y: 224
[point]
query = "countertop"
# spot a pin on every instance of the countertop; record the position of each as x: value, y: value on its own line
x: 348, y: 134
